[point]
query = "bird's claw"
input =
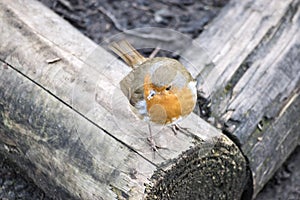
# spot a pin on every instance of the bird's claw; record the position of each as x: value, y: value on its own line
x: 176, y: 128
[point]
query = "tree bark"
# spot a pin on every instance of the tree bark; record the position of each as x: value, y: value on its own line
x: 64, y: 120
x: 254, y: 79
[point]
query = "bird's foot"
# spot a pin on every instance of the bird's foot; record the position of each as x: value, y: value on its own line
x: 152, y: 143
x: 176, y: 128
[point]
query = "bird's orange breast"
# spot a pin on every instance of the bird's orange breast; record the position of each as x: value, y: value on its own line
x: 166, y: 106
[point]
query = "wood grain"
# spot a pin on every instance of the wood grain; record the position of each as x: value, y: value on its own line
x: 254, y: 79
x: 65, y: 120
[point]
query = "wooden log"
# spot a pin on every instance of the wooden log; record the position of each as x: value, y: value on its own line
x: 255, y: 80
x: 65, y: 121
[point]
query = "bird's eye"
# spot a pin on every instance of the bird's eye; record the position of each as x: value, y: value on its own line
x: 152, y: 93
x: 168, y: 88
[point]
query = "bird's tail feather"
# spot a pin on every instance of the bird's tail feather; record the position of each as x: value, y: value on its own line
x: 127, y: 52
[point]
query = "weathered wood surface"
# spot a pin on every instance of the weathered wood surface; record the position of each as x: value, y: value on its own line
x: 255, y: 82
x: 64, y: 120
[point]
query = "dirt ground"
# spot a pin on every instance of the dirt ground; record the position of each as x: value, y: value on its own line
x: 99, y: 19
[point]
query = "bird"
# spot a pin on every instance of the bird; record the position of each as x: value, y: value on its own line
x: 161, y: 89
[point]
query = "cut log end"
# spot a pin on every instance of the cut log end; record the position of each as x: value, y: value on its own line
x: 205, y: 171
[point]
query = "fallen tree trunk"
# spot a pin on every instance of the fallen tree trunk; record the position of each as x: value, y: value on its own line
x: 254, y: 84
x: 65, y: 122
x: 59, y: 123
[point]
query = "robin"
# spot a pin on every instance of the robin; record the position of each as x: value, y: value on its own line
x: 161, y: 90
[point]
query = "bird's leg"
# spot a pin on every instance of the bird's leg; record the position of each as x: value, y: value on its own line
x: 151, y: 140
x: 176, y: 128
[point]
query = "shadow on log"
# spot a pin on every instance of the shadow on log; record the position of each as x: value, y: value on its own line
x: 59, y: 124
x: 255, y: 46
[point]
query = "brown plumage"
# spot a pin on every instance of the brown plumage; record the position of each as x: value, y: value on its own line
x: 161, y: 89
